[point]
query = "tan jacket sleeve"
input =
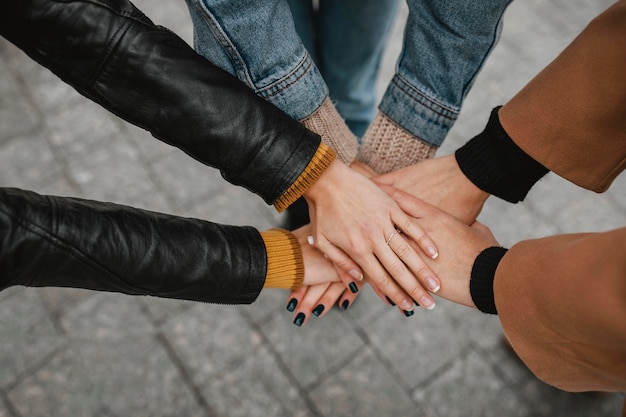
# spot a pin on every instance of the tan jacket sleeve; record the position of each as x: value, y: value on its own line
x: 562, y: 304
x: 572, y: 116
x: 562, y: 299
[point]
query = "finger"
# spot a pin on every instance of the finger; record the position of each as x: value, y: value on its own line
x: 329, y: 298
x: 408, y: 279
x: 307, y: 302
x: 294, y: 298
x: 410, y: 227
x: 347, y: 297
x: 349, y: 271
x: 383, y: 281
x: 403, y: 248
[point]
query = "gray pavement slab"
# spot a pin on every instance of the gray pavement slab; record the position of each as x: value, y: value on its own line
x: 76, y: 353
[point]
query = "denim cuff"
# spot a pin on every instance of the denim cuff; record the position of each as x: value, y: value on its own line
x: 496, y: 165
x: 417, y: 112
x: 481, y: 281
x: 305, y: 80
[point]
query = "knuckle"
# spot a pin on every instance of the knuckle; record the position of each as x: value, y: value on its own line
x: 380, y: 280
x: 397, y: 269
x: 403, y: 251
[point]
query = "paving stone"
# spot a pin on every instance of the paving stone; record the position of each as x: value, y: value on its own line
x: 3, y: 410
x: 160, y: 309
x: 417, y: 346
x: 468, y: 388
x: 549, y: 401
x: 89, y: 377
x: 60, y: 300
x: 150, y: 148
x: 106, y: 316
x: 46, y: 90
x: 218, y: 207
x: 364, y: 387
x: 208, y: 339
x: 27, y: 333
x: 504, y: 220
x: 79, y: 126
x: 111, y: 172
x: 255, y: 387
x: 185, y: 180
x: 314, y: 350
x: 28, y: 162
x: 270, y: 301
x: 566, y: 204
x: 17, y: 114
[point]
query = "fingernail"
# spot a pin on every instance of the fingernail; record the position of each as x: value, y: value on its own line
x: 353, y: 288
x: 356, y: 274
x: 432, y: 252
x: 292, y: 305
x: 345, y: 304
x: 318, y: 310
x: 310, y: 240
x: 390, y: 301
x: 432, y: 284
x: 299, y: 319
x: 427, y: 302
x: 409, y: 313
x: 407, y: 305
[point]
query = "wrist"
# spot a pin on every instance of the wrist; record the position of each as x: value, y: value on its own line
x: 495, y: 164
x: 482, y: 277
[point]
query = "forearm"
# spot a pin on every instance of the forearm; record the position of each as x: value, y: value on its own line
x: 117, y: 57
x: 571, y: 117
x: 562, y: 304
x: 68, y: 242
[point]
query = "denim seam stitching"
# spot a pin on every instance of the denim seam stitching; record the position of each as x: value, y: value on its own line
x: 422, y: 98
x: 287, y: 81
x: 236, y: 59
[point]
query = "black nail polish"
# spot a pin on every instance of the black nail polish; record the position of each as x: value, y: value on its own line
x: 345, y: 304
x: 409, y: 313
x: 318, y: 310
x: 299, y: 319
x: 353, y: 288
x: 292, y: 305
x: 390, y: 301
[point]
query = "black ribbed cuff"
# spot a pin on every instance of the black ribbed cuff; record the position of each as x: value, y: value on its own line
x: 495, y: 164
x: 481, y: 281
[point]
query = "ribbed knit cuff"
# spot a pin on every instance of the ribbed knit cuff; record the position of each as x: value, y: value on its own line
x: 285, y: 267
x: 481, y: 280
x: 495, y: 164
x: 316, y: 167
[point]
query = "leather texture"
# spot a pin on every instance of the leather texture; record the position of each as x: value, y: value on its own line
x: 113, y: 54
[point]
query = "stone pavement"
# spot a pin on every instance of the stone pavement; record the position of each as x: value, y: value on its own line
x: 77, y: 353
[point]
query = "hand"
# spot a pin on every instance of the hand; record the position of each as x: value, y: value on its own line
x: 317, y: 268
x: 318, y: 299
x: 355, y: 221
x: 459, y: 245
x: 440, y: 182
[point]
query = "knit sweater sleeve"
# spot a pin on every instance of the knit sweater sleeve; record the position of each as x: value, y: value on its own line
x: 316, y: 167
x: 285, y: 267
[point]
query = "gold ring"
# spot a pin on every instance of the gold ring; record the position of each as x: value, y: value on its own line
x: 395, y: 232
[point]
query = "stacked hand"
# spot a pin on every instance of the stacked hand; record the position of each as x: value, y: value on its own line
x: 416, y: 191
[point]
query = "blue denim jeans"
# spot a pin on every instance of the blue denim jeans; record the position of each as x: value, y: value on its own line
x: 445, y: 45
x: 347, y: 39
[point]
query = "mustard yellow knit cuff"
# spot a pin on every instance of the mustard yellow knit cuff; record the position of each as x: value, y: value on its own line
x: 323, y: 157
x: 285, y: 267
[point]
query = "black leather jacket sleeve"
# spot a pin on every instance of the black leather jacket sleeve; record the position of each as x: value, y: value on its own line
x: 69, y: 242
x: 113, y: 54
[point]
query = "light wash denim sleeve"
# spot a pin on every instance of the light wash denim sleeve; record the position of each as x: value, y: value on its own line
x: 256, y: 41
x: 445, y: 45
